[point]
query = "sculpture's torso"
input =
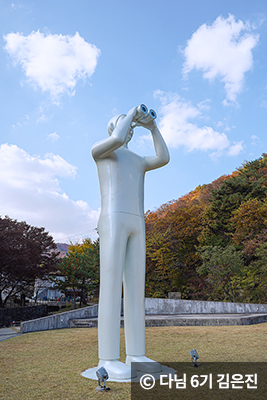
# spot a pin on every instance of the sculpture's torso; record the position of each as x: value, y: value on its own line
x: 121, y: 178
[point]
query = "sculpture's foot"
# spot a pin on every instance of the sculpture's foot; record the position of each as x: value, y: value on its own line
x: 117, y: 369
x: 145, y: 364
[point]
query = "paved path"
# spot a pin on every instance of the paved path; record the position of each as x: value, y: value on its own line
x: 7, y: 333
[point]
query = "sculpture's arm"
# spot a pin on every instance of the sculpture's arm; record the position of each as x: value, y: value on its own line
x: 105, y: 147
x: 162, y: 156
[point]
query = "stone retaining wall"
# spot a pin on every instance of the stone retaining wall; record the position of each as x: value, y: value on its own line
x: 170, y: 306
x: 58, y: 321
x: 152, y: 307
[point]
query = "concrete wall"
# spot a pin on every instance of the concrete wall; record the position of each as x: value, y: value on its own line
x: 152, y: 307
x: 58, y: 321
x: 170, y: 306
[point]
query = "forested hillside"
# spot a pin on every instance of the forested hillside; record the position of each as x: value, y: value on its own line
x: 211, y: 243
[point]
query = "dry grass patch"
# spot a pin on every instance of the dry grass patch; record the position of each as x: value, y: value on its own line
x: 48, y: 365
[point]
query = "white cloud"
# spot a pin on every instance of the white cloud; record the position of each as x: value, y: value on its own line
x: 235, y: 149
x: 254, y: 137
x: 178, y: 130
x: 204, y: 105
x: 15, y: 6
x: 255, y: 140
x: 30, y: 190
x: 53, y: 136
x: 54, y: 63
x: 222, y: 50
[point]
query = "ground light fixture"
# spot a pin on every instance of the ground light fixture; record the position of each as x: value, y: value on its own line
x: 102, y: 376
x: 195, y: 357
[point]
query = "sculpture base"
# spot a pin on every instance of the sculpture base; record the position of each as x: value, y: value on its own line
x: 91, y: 374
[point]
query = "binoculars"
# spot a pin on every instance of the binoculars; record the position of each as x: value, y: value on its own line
x: 143, y: 115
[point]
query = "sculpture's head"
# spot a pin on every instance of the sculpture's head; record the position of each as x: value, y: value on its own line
x: 114, y: 121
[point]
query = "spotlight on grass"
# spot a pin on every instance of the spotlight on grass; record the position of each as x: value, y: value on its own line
x: 195, y: 357
x: 102, y: 376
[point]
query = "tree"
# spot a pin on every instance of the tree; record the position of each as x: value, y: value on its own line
x: 220, y: 266
x: 172, y: 235
x: 247, y: 183
x: 249, y: 223
x: 91, y: 250
x: 81, y: 269
x: 230, y: 217
x: 26, y: 253
x: 254, y: 283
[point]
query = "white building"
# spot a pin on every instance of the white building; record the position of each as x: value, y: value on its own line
x: 45, y: 289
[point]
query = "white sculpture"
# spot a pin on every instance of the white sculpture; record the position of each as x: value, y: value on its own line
x: 121, y: 228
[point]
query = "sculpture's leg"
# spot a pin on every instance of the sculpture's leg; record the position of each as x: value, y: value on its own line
x: 112, y: 258
x: 133, y: 290
x: 134, y: 299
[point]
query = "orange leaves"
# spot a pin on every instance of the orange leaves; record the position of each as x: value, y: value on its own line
x: 249, y: 221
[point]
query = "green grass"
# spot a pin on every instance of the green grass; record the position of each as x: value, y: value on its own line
x: 48, y: 365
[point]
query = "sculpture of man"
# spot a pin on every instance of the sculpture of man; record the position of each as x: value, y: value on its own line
x: 121, y: 228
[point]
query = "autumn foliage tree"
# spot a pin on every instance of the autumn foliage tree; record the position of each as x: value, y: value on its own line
x: 80, y: 268
x: 190, y: 239
x: 249, y: 224
x: 247, y: 183
x: 255, y: 280
x: 26, y: 253
x: 172, y: 238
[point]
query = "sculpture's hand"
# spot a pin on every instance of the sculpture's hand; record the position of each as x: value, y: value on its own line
x: 150, y: 125
x: 132, y: 112
x: 146, y: 119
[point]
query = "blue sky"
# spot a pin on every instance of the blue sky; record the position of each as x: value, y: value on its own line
x: 68, y: 66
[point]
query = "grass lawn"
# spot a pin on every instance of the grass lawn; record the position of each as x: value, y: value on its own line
x: 48, y: 365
